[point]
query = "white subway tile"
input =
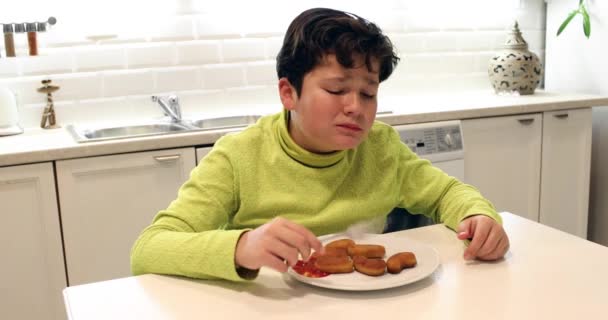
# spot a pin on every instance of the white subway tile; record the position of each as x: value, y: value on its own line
x: 422, y: 64
x: 127, y: 82
x: 409, y: 43
x: 459, y: 41
x: 458, y: 63
x: 387, y: 20
x: 178, y: 79
x: 483, y: 61
x: 147, y: 55
x: 173, y: 28
x: 198, y: 52
x: 54, y: 61
x: 257, y: 95
x: 100, y: 57
x: 202, y: 101
x: 273, y: 46
x: 78, y: 86
x: 265, y: 23
x: 26, y: 89
x: 108, y: 110
x: 261, y: 73
x: 9, y: 67
x: 242, y: 50
x: 221, y: 76
x: 30, y: 115
x: 218, y: 26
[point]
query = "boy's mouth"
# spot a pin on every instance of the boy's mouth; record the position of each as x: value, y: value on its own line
x: 349, y: 126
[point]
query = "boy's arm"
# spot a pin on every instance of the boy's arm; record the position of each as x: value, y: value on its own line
x: 428, y: 190
x: 188, y: 238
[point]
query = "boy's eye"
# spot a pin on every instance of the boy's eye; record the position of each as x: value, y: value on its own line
x: 337, y: 92
x: 367, y: 95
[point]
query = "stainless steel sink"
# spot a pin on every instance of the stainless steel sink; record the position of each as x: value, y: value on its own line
x: 224, y: 122
x: 92, y: 134
x: 121, y: 132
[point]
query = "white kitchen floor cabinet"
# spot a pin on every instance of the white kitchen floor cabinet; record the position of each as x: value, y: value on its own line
x: 566, y: 167
x: 535, y: 165
x: 502, y: 160
x: 107, y: 201
x: 201, y: 153
x: 32, y: 272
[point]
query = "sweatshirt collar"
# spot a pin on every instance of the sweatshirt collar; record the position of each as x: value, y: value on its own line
x: 300, y: 154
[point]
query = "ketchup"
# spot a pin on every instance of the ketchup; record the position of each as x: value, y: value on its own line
x: 307, y: 269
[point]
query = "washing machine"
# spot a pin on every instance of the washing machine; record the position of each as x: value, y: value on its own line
x: 442, y: 144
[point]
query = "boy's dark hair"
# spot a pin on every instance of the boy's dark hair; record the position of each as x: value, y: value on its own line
x: 317, y: 32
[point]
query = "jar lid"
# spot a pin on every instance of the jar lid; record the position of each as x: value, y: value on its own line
x: 19, y: 27
x: 41, y: 27
x: 7, y: 27
x: 30, y: 27
x: 514, y: 39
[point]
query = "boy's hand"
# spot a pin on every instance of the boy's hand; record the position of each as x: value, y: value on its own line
x: 488, y: 239
x: 275, y: 243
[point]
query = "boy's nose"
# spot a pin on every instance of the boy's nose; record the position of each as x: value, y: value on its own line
x: 352, y: 104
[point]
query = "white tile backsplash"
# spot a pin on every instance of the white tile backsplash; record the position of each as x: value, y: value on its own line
x: 198, y: 52
x: 178, y: 79
x: 127, y: 82
x: 100, y: 57
x: 222, y: 76
x: 77, y: 86
x: 223, y: 53
x: 149, y: 55
x: 179, y: 28
x: 234, y: 50
x: 261, y: 73
x: 52, y: 61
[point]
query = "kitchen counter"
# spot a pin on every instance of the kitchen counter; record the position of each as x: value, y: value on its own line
x: 38, y: 145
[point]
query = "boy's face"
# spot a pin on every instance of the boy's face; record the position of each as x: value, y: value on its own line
x: 336, y: 108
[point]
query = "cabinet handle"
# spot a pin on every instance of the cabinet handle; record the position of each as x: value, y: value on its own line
x: 526, y: 121
x: 166, y: 158
x: 561, y: 115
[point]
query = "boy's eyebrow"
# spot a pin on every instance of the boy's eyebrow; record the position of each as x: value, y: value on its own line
x: 370, y: 80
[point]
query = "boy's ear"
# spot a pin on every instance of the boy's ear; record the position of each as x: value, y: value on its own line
x: 288, y: 94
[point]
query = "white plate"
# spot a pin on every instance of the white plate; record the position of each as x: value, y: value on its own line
x: 426, y: 256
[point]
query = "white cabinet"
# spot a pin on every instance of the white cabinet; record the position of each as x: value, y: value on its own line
x: 32, y: 272
x: 566, y: 166
x: 536, y: 165
x: 107, y: 201
x: 201, y: 153
x: 503, y: 158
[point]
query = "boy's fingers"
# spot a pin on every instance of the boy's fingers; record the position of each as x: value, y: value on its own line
x: 480, y: 235
x: 311, y: 239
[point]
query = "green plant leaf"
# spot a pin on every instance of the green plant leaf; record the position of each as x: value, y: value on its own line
x: 586, y: 22
x: 565, y: 23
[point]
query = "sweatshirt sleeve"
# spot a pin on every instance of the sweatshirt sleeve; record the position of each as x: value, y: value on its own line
x: 426, y: 189
x: 188, y: 238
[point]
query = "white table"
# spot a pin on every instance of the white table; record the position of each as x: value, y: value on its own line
x: 548, y: 274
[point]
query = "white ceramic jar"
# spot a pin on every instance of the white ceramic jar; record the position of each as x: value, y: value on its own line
x: 515, y: 69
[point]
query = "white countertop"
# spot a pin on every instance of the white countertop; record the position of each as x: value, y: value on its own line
x: 547, y: 274
x: 38, y: 145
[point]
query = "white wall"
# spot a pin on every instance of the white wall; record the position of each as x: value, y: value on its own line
x: 578, y: 64
x: 108, y: 57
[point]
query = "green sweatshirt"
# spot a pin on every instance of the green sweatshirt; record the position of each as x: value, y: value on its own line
x: 253, y: 176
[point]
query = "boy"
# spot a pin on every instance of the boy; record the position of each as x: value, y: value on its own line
x: 261, y: 197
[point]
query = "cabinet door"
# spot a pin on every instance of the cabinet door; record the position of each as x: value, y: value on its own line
x: 502, y: 159
x: 107, y: 201
x: 32, y: 272
x: 202, y: 152
x: 566, y: 166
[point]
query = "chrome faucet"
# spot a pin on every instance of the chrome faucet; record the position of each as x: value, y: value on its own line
x: 170, y: 106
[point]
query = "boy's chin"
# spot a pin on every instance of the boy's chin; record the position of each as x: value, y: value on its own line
x: 346, y: 144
